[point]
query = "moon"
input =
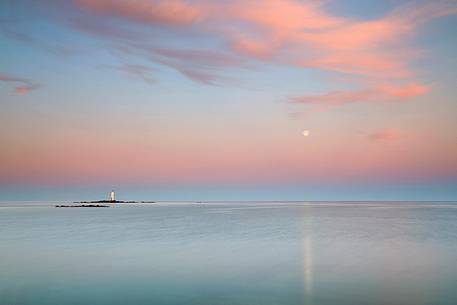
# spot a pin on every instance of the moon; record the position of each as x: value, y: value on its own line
x: 305, y: 133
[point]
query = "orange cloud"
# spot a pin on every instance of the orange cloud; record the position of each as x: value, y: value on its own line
x: 26, y: 88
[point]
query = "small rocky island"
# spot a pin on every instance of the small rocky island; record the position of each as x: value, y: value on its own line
x: 99, y: 203
x: 83, y: 206
x: 106, y: 201
x: 115, y: 201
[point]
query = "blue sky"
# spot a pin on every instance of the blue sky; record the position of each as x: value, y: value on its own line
x: 189, y: 100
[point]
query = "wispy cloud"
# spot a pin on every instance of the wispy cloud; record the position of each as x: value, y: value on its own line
x: 170, y: 12
x: 300, y: 34
x: 24, y: 89
x: 9, y: 28
x: 201, y: 66
x: 21, y: 85
x: 138, y: 71
x: 380, y: 93
x: 296, y: 33
x: 385, y: 134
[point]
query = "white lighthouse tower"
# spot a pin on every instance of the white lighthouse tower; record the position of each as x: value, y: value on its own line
x: 113, y: 196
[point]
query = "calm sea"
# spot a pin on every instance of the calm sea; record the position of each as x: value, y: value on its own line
x: 230, y: 253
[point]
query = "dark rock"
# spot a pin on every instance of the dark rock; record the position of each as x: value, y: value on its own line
x: 83, y: 206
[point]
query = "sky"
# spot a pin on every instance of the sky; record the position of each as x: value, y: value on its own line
x: 209, y: 100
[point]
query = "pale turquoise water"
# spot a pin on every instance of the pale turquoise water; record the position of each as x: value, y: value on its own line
x: 230, y: 253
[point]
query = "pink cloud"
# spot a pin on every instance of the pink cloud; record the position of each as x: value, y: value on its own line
x: 386, y: 134
x: 281, y: 16
x: 285, y: 32
x: 404, y: 92
x: 9, y: 78
x: 324, y: 41
x: 171, y: 12
x: 373, y: 64
x: 384, y: 92
x: 252, y: 47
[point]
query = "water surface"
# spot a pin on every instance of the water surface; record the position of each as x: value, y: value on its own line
x: 230, y: 253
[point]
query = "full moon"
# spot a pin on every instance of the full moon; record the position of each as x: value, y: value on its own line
x: 305, y: 133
